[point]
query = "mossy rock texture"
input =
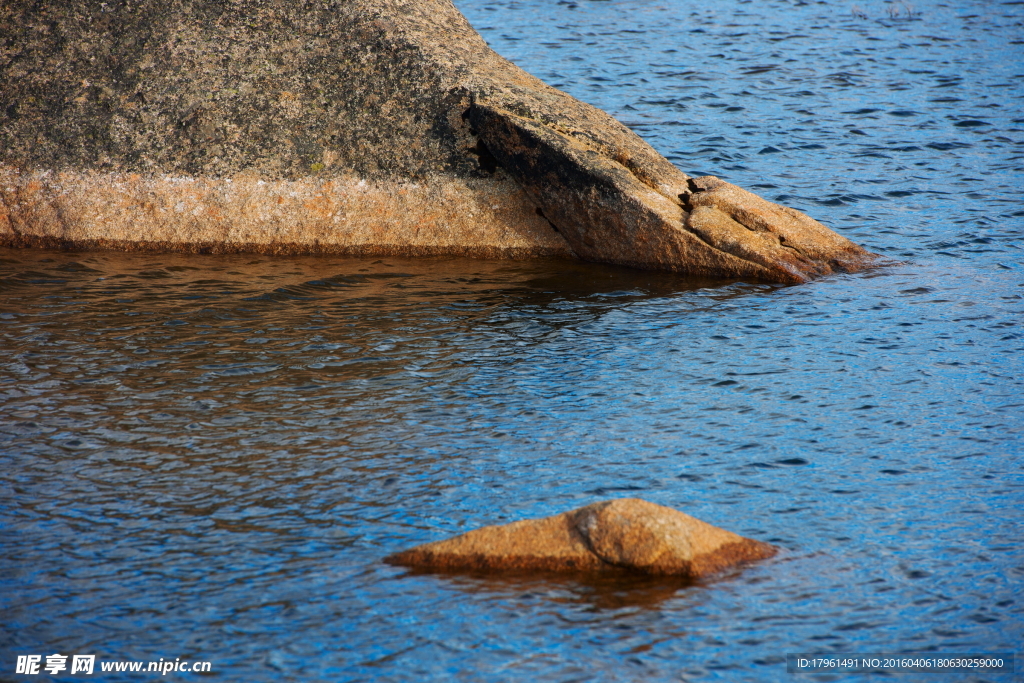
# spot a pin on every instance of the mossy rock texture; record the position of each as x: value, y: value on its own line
x: 345, y: 126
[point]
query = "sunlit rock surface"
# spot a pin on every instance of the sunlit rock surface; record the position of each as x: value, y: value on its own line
x: 345, y: 126
x: 624, y: 534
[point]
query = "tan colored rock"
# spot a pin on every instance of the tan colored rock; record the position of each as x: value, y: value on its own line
x: 624, y: 534
x: 349, y: 216
x: 779, y: 238
x: 344, y: 126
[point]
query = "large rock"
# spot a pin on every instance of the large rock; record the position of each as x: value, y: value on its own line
x: 625, y: 534
x: 344, y: 126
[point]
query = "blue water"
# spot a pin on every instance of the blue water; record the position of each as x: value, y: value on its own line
x: 206, y: 457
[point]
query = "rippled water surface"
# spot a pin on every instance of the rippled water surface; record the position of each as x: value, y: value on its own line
x: 207, y: 457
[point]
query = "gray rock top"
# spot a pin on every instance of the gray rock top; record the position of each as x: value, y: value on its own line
x: 206, y: 88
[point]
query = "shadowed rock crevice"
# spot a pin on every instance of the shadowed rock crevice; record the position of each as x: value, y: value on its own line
x: 488, y: 164
x: 100, y: 101
x: 540, y: 212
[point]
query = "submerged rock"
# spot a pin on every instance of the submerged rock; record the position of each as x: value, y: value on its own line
x: 345, y: 126
x: 624, y: 534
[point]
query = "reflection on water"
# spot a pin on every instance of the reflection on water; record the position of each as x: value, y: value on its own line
x: 207, y: 457
x: 589, y: 592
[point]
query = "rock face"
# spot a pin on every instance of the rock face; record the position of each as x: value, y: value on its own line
x: 624, y: 534
x: 344, y: 126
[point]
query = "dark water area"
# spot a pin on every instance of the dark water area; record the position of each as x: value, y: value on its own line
x: 207, y: 457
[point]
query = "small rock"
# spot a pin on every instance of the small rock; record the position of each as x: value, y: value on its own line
x: 624, y: 534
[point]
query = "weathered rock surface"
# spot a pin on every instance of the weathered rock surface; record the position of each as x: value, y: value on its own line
x: 344, y: 126
x: 624, y: 534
